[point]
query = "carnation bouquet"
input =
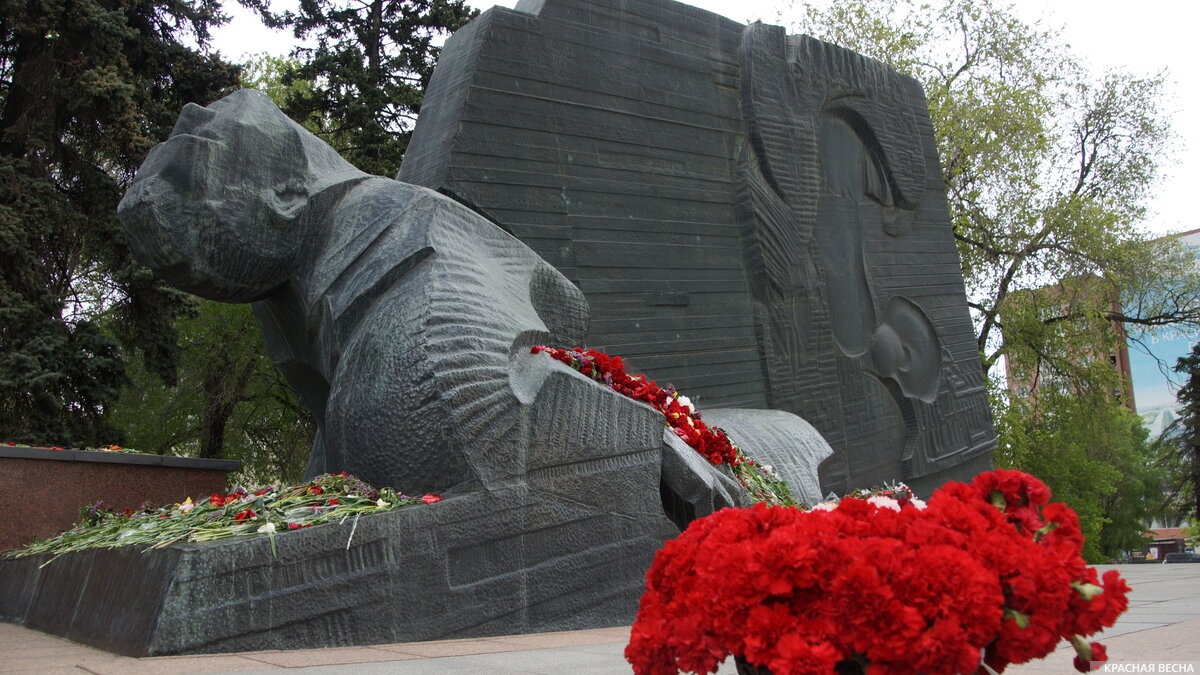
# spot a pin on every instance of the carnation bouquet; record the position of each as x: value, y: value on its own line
x: 984, y: 575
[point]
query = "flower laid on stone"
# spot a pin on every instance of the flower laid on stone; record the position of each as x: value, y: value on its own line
x: 984, y: 575
x: 680, y: 415
x: 103, y: 448
x: 112, y: 448
x: 325, y: 499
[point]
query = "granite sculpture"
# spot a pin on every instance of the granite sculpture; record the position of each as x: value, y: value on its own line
x: 755, y: 217
x: 393, y: 311
x: 752, y: 216
x: 403, y: 319
x: 405, y: 322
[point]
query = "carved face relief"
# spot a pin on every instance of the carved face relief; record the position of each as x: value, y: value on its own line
x: 214, y: 209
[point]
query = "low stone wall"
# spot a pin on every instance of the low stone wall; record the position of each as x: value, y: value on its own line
x: 43, y: 490
x: 527, y: 559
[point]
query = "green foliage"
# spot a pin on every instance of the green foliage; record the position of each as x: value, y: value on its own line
x: 1093, y: 455
x: 1185, y: 458
x: 230, y: 401
x: 266, y: 74
x: 86, y: 88
x: 367, y: 71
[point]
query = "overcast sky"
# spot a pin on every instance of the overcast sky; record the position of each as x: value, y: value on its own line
x: 1144, y: 37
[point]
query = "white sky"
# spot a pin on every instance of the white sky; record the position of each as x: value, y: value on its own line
x: 1144, y: 38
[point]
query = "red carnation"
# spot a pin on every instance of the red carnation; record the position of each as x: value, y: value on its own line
x: 216, y: 500
x: 431, y: 498
x: 800, y: 591
x: 315, y: 490
x: 1097, y: 657
x: 243, y: 516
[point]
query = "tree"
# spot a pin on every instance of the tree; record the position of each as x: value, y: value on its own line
x: 1047, y: 172
x: 230, y: 401
x: 1093, y: 453
x: 1187, y: 443
x: 86, y: 88
x: 266, y: 73
x: 369, y: 68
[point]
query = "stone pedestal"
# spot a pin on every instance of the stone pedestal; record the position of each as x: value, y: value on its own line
x: 518, y: 561
x: 563, y: 546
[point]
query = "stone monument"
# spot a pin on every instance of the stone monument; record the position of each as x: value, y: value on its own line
x: 754, y: 217
x: 405, y: 321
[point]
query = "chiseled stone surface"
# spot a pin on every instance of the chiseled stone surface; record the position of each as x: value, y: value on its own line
x: 392, y: 310
x: 565, y: 549
x: 781, y: 440
x: 755, y: 217
x: 405, y: 321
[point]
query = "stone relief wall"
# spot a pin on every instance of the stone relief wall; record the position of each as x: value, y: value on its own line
x: 754, y: 217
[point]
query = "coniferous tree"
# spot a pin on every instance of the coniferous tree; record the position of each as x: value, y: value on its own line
x: 87, y: 87
x: 1189, y: 441
x: 369, y: 67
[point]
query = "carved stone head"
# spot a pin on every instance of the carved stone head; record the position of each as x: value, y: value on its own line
x: 217, y: 209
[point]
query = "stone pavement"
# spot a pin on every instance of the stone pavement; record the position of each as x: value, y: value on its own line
x: 1159, y: 633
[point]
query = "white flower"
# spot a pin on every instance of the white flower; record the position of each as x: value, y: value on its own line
x: 884, y: 503
x: 269, y: 527
x: 186, y: 506
x: 381, y: 504
x: 825, y: 506
x: 917, y: 504
x: 686, y: 403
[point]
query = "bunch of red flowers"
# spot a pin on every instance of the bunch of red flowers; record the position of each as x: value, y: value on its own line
x: 985, y: 574
x: 711, y: 442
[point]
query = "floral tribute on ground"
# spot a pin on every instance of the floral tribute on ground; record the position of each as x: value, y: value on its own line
x: 325, y: 499
x: 681, y: 416
x: 103, y: 448
x: 985, y: 575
